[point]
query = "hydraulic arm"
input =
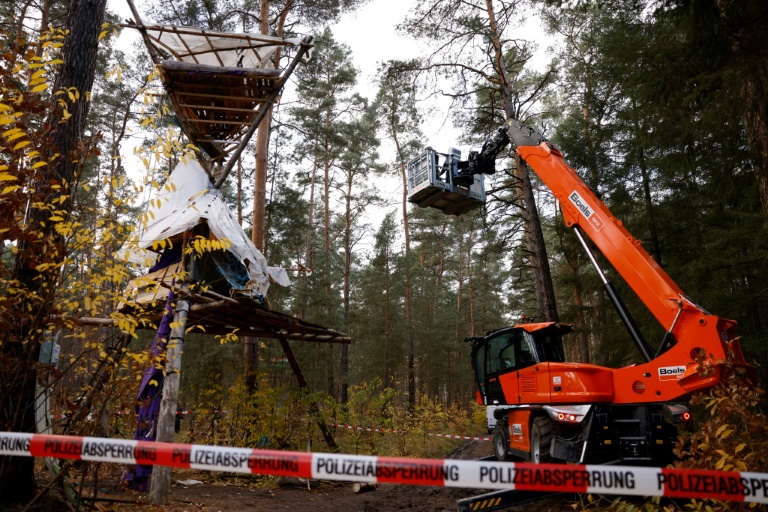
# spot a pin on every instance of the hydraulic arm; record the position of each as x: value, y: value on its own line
x: 698, y: 348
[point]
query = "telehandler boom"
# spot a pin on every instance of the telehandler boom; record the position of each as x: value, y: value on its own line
x: 568, y: 411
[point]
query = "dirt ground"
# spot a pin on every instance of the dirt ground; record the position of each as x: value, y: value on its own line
x: 224, y: 492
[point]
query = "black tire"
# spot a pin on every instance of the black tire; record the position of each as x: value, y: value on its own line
x: 501, y: 442
x: 542, y: 432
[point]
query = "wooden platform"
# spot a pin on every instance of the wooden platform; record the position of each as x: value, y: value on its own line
x: 219, y: 84
x: 217, y: 314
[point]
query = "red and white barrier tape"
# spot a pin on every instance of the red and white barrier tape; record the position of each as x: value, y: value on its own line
x: 623, y: 480
x: 387, y: 431
x: 129, y: 412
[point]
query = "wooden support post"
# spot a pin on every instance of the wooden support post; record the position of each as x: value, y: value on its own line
x: 314, y: 411
x: 160, y: 488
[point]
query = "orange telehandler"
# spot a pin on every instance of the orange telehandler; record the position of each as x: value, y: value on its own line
x: 549, y: 409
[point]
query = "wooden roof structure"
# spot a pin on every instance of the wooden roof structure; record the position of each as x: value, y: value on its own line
x: 220, y: 84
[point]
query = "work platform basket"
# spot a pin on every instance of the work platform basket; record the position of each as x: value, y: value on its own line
x: 432, y: 181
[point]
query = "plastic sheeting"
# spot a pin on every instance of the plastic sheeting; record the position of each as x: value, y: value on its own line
x: 186, y: 199
x: 213, y: 49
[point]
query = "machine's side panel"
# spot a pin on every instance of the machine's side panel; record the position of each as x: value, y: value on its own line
x: 534, y: 384
x: 510, y: 386
x: 519, y: 422
x: 580, y: 383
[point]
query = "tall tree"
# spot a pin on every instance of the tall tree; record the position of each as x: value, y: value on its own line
x: 726, y: 46
x: 483, y: 25
x: 42, y: 245
x: 395, y: 105
x: 326, y: 85
x: 356, y: 165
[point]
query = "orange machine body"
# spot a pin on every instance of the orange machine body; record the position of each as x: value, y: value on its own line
x: 705, y: 345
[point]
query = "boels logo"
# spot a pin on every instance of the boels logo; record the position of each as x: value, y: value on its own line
x: 585, y: 210
x: 671, y: 372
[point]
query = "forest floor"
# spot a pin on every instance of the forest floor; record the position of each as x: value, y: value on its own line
x: 217, y: 492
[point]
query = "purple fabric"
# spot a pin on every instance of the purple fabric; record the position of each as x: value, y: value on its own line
x: 148, y: 401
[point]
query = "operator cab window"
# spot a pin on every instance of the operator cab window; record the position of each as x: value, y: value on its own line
x: 509, y: 351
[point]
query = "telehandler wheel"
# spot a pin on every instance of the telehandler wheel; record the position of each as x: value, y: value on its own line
x: 542, y: 432
x: 501, y: 441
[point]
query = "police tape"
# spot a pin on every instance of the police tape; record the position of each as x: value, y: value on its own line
x: 126, y: 412
x: 390, y: 431
x: 618, y: 480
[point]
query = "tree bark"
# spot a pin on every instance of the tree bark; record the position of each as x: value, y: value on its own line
x: 537, y: 250
x: 347, y: 286
x: 160, y: 488
x: 753, y: 93
x: 408, y: 284
x: 21, y: 348
x: 542, y: 277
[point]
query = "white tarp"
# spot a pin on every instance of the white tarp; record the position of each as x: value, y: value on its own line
x: 187, y: 198
x: 216, y: 49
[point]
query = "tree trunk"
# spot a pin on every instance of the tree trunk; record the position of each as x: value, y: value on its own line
x: 537, y: 251
x: 258, y: 231
x: 542, y: 277
x: 329, y: 366
x: 21, y: 348
x: 347, y: 285
x: 753, y: 93
x: 408, y: 286
x: 251, y: 363
x: 160, y: 487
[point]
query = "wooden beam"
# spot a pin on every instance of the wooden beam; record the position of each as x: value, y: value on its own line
x: 238, y: 99
x: 160, y: 486
x: 314, y: 410
x: 215, y: 107
x: 189, y: 67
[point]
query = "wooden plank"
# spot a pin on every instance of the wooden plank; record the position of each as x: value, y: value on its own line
x: 214, y: 107
x: 237, y: 99
x: 189, y: 67
x: 266, y: 40
x: 219, y: 121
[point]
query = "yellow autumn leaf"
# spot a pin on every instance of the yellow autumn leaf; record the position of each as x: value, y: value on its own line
x: 152, y: 382
x: 6, y: 176
x: 37, y: 165
x: 21, y: 145
x: 740, y: 447
x: 9, y: 189
x: 40, y: 88
x: 6, y: 119
x: 15, y: 136
x: 102, y: 35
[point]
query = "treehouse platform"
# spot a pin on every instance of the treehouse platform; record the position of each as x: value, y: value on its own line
x: 220, y: 84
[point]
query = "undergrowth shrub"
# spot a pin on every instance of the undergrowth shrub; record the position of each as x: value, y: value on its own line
x: 732, y: 436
